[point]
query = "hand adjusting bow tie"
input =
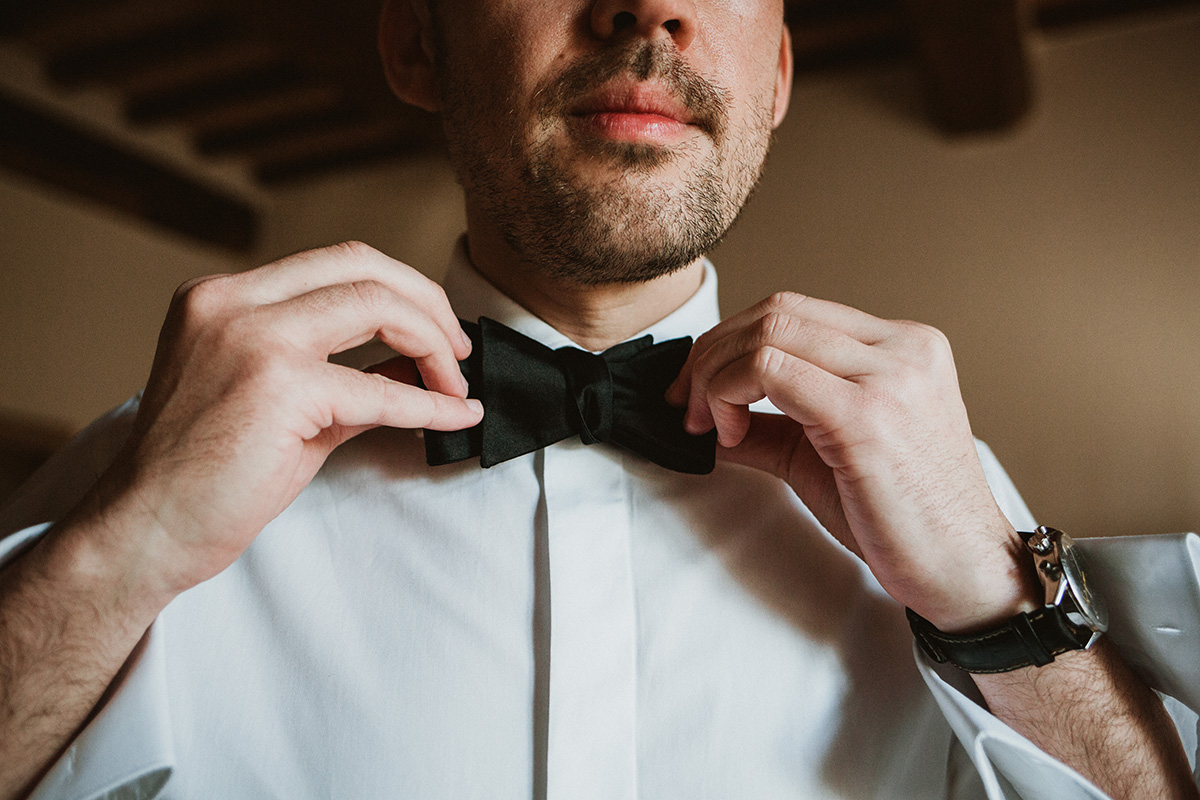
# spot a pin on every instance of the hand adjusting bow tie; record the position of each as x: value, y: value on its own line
x: 533, y: 397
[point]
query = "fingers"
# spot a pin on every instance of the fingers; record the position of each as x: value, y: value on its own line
x: 866, y: 328
x: 835, y: 336
x: 344, y: 264
x: 803, y: 391
x: 767, y: 351
x: 774, y: 335
x: 334, y: 318
x: 763, y: 319
x: 761, y: 447
x: 354, y: 261
x: 361, y: 399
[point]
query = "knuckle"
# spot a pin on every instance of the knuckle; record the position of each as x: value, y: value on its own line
x: 385, y: 388
x: 428, y: 294
x: 771, y: 327
x: 702, y: 345
x: 923, y: 335
x: 369, y: 295
x: 354, y: 250
x: 423, y: 408
x: 200, y: 299
x: 706, y: 363
x: 436, y: 293
x: 930, y: 344
x: 783, y: 302
x: 186, y: 288
x: 767, y: 360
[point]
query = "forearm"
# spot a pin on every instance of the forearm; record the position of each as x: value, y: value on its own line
x: 70, y: 615
x: 1089, y: 710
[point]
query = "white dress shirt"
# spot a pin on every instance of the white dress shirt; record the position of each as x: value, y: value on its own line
x: 574, y: 624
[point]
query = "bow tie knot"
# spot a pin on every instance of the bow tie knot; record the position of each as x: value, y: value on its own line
x: 534, y: 396
x: 590, y: 386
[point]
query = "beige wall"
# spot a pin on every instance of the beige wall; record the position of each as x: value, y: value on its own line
x: 1061, y: 259
x: 411, y: 211
x: 83, y: 294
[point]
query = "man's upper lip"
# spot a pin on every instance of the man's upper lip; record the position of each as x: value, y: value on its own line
x: 634, y: 98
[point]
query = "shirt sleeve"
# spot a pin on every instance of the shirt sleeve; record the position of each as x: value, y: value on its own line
x: 126, y: 750
x: 1152, y: 587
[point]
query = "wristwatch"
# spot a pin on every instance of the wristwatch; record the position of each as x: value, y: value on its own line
x: 1073, y: 617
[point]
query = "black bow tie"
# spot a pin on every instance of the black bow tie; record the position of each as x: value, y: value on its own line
x: 533, y: 397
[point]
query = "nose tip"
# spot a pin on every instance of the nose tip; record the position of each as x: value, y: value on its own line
x: 651, y: 19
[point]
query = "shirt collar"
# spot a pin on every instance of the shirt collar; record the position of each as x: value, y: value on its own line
x: 472, y: 296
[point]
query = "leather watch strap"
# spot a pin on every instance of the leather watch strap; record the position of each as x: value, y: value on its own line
x: 1028, y: 639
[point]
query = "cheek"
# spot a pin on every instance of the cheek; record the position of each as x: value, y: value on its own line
x: 515, y: 45
x: 741, y: 48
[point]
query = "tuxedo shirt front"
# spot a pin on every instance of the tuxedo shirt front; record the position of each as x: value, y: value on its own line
x: 573, y: 624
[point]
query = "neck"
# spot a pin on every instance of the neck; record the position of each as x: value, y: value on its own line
x: 594, y: 317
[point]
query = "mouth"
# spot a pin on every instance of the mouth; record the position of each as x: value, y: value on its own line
x: 636, y: 113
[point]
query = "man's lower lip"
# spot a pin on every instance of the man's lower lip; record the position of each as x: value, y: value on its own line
x: 638, y: 128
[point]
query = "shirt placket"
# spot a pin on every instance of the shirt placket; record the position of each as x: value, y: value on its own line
x: 590, y: 744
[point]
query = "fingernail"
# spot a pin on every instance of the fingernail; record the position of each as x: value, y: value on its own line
x: 465, y: 386
x: 465, y: 339
x: 474, y: 405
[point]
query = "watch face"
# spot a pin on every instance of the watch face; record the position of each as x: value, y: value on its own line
x: 1090, y: 607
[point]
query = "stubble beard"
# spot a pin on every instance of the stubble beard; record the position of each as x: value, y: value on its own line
x: 634, y: 227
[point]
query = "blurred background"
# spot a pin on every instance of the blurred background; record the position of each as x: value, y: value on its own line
x: 1023, y: 174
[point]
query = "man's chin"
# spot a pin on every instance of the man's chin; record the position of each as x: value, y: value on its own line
x: 615, y: 256
x: 643, y: 178
x: 638, y: 156
x: 607, y: 159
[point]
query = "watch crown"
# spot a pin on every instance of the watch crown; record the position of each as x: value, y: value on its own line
x: 1042, y: 541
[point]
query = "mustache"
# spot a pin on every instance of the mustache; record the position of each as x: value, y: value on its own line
x: 643, y: 60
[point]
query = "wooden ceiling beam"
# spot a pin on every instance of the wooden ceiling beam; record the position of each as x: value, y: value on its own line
x: 287, y: 103
x: 401, y: 145
x: 182, y: 104
x: 43, y: 147
x: 973, y: 61
x: 181, y: 72
x: 140, y: 52
x: 73, y: 26
x: 242, y: 140
x: 313, y: 144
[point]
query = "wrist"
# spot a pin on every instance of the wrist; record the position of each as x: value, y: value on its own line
x: 989, y: 589
x: 109, y: 547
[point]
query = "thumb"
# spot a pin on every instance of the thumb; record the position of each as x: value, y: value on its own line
x: 768, y: 444
x: 777, y: 444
